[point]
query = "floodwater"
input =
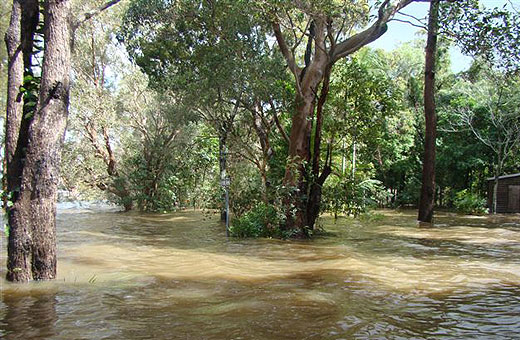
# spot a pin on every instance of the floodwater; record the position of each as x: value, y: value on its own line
x: 176, y: 276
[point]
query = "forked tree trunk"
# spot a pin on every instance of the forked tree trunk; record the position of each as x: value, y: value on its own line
x: 427, y: 200
x: 329, y: 47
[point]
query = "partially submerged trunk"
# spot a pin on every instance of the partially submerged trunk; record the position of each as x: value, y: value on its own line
x: 222, y: 155
x: 325, y: 46
x: 34, y: 141
x: 427, y: 200
x: 18, y: 253
x: 32, y: 238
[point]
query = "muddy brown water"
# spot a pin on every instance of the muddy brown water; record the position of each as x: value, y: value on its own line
x: 176, y: 276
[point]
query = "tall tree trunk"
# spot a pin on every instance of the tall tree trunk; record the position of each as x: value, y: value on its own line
x: 298, y: 178
x: 314, y: 200
x: 427, y: 199
x: 19, y: 41
x: 33, y: 211
x: 296, y: 172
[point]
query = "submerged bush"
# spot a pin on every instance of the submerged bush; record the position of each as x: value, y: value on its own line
x: 469, y: 203
x: 352, y: 196
x: 263, y: 220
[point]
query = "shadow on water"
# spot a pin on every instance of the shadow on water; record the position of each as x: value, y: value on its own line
x: 176, y: 276
x: 31, y: 316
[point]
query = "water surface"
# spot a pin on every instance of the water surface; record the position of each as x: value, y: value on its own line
x: 176, y: 276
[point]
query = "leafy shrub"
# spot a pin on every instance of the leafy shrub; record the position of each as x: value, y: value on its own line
x: 469, y: 203
x: 261, y: 221
x: 352, y: 196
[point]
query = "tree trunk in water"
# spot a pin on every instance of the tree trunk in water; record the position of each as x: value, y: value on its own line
x: 296, y: 173
x: 222, y: 153
x: 33, y: 212
x: 498, y: 171
x: 302, y: 172
x: 19, y: 41
x: 495, y: 190
x: 427, y: 199
x: 314, y: 195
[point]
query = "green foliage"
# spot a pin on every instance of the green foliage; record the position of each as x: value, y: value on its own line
x: 352, y: 196
x: 371, y: 217
x: 263, y: 220
x: 469, y: 203
x: 489, y: 33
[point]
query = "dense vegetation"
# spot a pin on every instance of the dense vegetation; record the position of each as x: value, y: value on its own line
x: 285, y: 98
x: 208, y: 93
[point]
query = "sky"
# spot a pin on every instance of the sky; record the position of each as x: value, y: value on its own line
x: 399, y: 32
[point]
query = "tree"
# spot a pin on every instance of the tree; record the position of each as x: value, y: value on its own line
x: 427, y: 198
x: 494, y: 118
x: 213, y: 55
x: 95, y: 129
x: 325, y: 27
x: 492, y: 35
x: 37, y: 109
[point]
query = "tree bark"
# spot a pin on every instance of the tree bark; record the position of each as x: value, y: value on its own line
x: 427, y: 198
x: 19, y: 41
x: 38, y: 138
x: 33, y: 211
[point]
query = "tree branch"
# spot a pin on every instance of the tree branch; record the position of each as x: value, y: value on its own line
x: 288, y: 55
x: 377, y: 29
x: 82, y: 18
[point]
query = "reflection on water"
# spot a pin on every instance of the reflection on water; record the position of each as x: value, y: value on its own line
x: 176, y: 276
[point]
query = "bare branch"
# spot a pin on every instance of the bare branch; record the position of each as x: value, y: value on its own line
x: 409, y: 22
x: 288, y: 55
x: 90, y: 14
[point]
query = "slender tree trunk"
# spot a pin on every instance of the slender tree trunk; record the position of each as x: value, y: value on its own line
x: 498, y: 172
x: 354, y: 158
x: 222, y: 154
x: 18, y: 253
x: 314, y: 200
x: 427, y: 199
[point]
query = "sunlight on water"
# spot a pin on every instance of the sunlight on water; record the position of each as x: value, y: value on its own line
x: 177, y: 276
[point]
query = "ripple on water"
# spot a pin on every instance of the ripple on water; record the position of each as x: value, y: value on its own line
x: 141, y: 276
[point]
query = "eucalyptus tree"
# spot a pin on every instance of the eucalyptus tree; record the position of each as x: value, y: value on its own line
x: 491, y: 113
x: 313, y: 36
x: 97, y: 127
x: 37, y: 110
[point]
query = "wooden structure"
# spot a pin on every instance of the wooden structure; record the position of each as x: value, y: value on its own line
x: 508, y: 193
